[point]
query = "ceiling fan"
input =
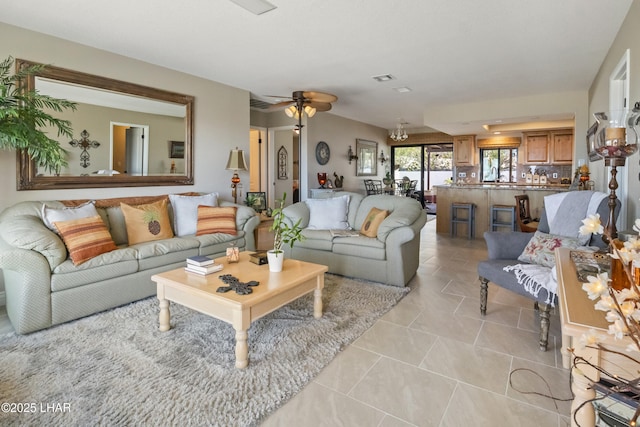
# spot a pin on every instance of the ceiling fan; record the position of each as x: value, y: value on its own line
x: 305, y: 102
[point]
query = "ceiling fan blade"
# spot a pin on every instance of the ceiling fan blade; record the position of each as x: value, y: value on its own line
x: 319, y: 96
x: 319, y: 106
x: 281, y: 105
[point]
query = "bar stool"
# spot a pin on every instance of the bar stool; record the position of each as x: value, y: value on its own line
x: 469, y: 218
x: 495, y: 217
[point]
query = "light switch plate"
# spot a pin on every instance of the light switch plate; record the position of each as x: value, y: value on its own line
x: 555, y: 175
x: 462, y: 174
x: 524, y: 175
x: 473, y: 174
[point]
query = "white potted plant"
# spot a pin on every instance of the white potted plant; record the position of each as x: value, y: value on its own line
x: 283, y: 233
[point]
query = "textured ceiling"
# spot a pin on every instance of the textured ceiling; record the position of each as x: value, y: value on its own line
x: 447, y: 52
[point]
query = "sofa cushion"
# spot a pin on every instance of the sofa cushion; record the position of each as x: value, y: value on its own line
x: 217, y: 243
x: 85, y: 238
x: 360, y: 246
x: 148, y: 222
x: 216, y: 220
x: 164, y: 252
x: 540, y: 249
x: 51, y: 215
x: 316, y: 239
x: 109, y: 265
x: 328, y: 214
x: 403, y: 211
x: 372, y: 222
x: 185, y: 211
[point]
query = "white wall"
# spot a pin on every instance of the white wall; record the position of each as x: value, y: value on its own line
x: 221, y: 114
x: 628, y: 38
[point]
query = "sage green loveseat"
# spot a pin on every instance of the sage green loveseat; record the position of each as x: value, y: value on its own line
x: 392, y: 257
x: 43, y: 287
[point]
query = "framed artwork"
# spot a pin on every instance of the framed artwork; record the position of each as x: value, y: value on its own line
x: 283, y: 160
x: 176, y: 149
x: 257, y: 200
x: 366, y: 164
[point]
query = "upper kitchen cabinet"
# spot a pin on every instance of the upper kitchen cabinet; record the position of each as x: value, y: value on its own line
x: 548, y: 147
x: 562, y: 144
x: 536, y: 147
x: 464, y: 150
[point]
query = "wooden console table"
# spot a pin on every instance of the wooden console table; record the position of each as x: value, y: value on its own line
x: 577, y: 317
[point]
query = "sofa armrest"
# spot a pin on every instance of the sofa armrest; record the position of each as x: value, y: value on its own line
x: 29, y: 232
x: 27, y: 281
x: 509, y: 245
x: 297, y: 212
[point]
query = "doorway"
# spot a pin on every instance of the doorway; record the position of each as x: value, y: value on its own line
x: 284, y: 170
x: 129, y: 149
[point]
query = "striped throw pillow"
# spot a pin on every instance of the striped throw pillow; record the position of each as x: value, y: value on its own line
x: 85, y: 238
x: 216, y: 220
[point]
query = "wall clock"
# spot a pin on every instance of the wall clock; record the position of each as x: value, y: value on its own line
x: 322, y: 153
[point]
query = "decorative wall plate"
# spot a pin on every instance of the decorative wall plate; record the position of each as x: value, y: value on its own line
x: 322, y: 153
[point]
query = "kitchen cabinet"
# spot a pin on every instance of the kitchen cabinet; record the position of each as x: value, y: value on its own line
x: 464, y: 150
x: 536, y: 147
x: 562, y: 143
x: 548, y: 147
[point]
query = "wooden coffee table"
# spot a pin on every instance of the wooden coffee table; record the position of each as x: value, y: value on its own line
x: 275, y: 290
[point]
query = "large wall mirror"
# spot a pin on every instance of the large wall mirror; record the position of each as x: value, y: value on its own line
x: 125, y: 135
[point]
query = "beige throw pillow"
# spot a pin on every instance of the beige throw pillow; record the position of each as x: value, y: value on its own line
x: 147, y: 222
x: 372, y: 222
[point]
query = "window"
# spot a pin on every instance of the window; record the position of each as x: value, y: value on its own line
x: 499, y: 164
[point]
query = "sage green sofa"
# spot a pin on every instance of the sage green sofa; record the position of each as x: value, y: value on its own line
x: 43, y: 287
x: 391, y: 258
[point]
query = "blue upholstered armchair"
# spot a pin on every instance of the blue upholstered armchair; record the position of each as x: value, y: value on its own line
x: 504, y: 248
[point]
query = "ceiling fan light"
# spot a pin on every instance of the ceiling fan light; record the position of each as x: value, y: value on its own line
x: 310, y: 111
x: 290, y: 111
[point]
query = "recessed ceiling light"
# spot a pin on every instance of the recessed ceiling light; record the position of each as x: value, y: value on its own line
x: 498, y: 121
x: 402, y: 89
x: 497, y: 133
x: 257, y: 7
x: 383, y: 78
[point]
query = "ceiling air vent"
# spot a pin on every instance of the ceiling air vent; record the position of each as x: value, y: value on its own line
x: 259, y: 104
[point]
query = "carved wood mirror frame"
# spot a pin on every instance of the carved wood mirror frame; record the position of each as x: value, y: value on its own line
x: 27, y: 175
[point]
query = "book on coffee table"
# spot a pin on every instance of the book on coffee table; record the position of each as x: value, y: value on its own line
x: 208, y: 269
x: 199, y: 260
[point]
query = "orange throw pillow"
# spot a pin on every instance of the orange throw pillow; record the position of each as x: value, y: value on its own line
x: 147, y: 222
x: 216, y: 220
x: 85, y: 238
x: 372, y: 222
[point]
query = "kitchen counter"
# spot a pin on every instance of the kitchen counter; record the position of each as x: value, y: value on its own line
x: 486, y: 195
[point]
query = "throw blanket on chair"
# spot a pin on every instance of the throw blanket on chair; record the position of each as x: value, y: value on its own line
x: 535, y: 277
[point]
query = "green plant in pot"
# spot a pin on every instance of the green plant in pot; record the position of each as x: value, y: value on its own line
x: 24, y: 116
x: 284, y: 232
x: 387, y: 180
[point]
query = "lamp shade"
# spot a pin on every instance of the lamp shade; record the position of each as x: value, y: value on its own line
x: 236, y: 160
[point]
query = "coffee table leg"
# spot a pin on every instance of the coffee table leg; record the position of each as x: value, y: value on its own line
x: 242, y: 350
x: 317, y: 298
x: 165, y: 315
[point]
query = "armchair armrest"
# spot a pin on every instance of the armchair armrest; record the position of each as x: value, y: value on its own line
x: 508, y: 245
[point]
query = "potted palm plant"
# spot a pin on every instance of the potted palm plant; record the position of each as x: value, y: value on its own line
x: 283, y: 232
x: 24, y: 114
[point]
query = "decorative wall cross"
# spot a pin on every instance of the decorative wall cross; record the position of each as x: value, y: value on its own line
x: 84, y: 144
x: 235, y: 284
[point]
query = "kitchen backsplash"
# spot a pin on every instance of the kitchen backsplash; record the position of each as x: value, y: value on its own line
x: 555, y: 174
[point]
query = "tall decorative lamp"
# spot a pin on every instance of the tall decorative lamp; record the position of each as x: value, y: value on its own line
x: 616, y: 139
x: 236, y: 163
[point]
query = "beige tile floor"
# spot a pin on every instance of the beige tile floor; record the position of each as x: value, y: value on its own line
x: 433, y: 360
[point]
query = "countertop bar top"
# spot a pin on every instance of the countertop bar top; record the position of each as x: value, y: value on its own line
x: 505, y: 186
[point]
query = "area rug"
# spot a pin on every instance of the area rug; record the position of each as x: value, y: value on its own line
x: 116, y: 368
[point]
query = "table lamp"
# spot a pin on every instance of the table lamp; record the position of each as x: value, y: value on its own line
x: 236, y: 162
